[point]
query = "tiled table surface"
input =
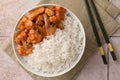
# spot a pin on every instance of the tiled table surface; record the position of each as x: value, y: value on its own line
x: 93, y: 70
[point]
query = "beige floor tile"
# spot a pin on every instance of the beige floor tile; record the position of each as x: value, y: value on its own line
x: 94, y: 69
x: 118, y: 19
x: 116, y: 3
x: 2, y: 39
x: 114, y: 67
x: 11, y: 71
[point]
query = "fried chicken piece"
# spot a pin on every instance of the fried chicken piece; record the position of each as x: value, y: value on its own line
x: 60, y: 11
x: 24, y: 50
x: 54, y: 19
x: 49, y: 12
x: 51, y: 30
x: 28, y: 24
x: 20, y: 37
x: 61, y: 26
x: 20, y: 25
x: 16, y: 38
x: 39, y: 20
x: 20, y: 49
x: 34, y: 13
x: 59, y: 16
x: 25, y: 23
x: 53, y: 8
x: 34, y: 37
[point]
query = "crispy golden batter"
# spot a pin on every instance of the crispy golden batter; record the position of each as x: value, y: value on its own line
x: 28, y: 24
x: 20, y: 37
x: 34, y: 37
x: 24, y: 49
x: 20, y: 25
x: 34, y: 13
x: 49, y: 12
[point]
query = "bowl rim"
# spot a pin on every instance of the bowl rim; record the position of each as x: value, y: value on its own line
x: 66, y: 70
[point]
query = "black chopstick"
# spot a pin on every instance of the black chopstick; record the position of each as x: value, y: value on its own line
x: 103, y: 30
x: 95, y: 32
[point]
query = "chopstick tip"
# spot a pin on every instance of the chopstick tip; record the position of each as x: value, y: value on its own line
x: 104, y: 59
x: 113, y: 55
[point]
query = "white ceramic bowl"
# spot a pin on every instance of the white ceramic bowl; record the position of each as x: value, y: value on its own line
x: 24, y: 64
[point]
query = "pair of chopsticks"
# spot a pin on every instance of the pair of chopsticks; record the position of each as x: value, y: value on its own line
x: 92, y: 21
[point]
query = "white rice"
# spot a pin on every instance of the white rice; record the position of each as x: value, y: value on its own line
x: 59, y: 51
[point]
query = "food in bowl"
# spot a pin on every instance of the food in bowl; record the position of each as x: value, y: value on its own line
x: 59, y: 50
x: 39, y: 24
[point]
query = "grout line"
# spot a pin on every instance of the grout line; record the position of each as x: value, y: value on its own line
x: 3, y: 36
x: 114, y: 36
x: 117, y: 16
